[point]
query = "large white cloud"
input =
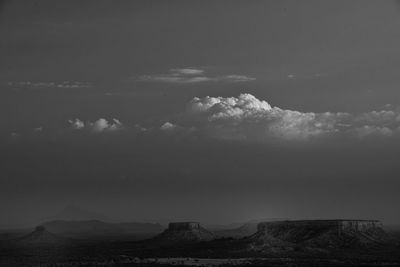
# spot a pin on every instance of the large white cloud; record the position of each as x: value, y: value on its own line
x: 246, y: 117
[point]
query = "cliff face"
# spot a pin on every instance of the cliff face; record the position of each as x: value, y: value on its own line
x: 318, y: 234
x: 317, y: 226
x: 362, y: 226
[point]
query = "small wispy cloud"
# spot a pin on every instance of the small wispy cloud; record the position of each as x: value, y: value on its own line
x: 38, y: 129
x: 192, y: 75
x: 188, y: 71
x: 173, y: 79
x: 15, y: 134
x: 303, y: 76
x: 49, y: 84
x: 236, y: 78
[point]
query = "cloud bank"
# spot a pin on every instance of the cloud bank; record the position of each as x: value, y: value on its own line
x: 191, y: 75
x: 247, y: 118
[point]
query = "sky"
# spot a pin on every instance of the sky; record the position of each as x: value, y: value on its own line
x: 216, y: 111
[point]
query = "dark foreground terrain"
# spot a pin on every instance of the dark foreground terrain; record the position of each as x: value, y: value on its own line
x: 215, y: 253
x: 301, y: 243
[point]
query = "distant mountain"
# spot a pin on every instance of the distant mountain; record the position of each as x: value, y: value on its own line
x: 245, y: 229
x: 74, y: 213
x: 98, y: 229
x: 239, y: 232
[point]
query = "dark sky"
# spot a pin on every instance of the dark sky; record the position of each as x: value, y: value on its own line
x: 103, y: 104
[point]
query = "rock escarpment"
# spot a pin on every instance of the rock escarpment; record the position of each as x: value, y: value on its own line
x: 184, y: 232
x: 323, y: 234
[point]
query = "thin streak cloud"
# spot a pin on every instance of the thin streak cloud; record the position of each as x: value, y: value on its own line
x: 48, y: 84
x: 191, y: 75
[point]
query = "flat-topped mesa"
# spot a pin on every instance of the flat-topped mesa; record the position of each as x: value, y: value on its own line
x: 182, y: 226
x: 360, y: 225
x: 339, y: 225
x: 181, y: 232
x: 319, y: 233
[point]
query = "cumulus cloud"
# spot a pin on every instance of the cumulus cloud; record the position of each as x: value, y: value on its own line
x: 246, y: 117
x: 77, y: 124
x: 192, y: 75
x: 98, y: 126
x: 102, y: 125
x: 249, y: 118
x: 168, y: 126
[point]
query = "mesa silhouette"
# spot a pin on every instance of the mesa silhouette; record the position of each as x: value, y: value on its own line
x: 321, y: 234
x: 184, y: 232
